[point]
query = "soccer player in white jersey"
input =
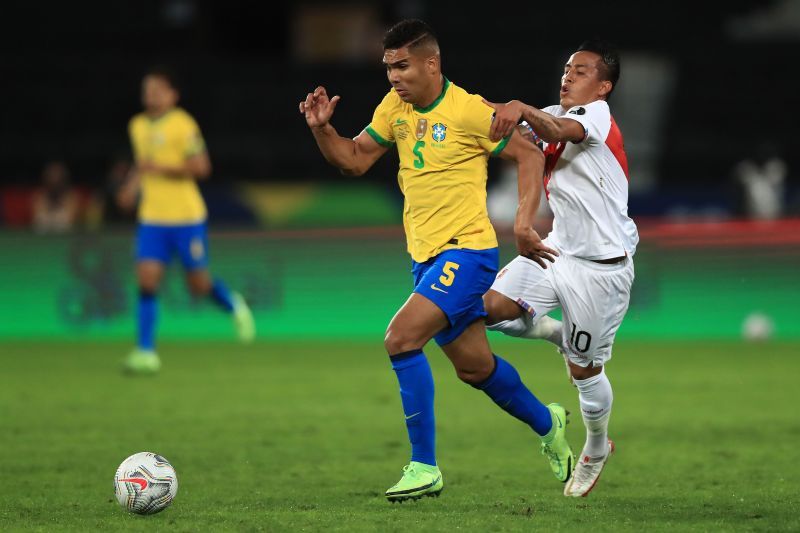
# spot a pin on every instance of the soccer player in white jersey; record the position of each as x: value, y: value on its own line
x: 586, y: 180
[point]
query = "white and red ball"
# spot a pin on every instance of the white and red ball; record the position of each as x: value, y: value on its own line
x: 145, y: 483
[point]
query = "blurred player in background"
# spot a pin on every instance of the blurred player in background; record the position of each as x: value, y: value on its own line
x: 170, y: 156
x: 56, y: 204
x: 586, y: 179
x: 441, y: 133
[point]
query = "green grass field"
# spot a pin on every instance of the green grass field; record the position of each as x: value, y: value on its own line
x: 307, y: 436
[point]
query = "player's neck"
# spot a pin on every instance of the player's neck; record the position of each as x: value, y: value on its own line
x: 155, y: 114
x: 434, y: 94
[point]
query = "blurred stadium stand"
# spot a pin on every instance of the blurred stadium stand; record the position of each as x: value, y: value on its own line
x: 74, y: 76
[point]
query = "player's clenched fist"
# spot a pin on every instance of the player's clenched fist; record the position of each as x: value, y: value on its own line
x: 318, y: 108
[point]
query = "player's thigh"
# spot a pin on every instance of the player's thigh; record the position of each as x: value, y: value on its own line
x: 528, y: 286
x: 456, y: 281
x: 191, y: 243
x: 595, y: 299
x: 414, y: 324
x: 500, y: 307
x: 471, y: 354
x: 153, y: 243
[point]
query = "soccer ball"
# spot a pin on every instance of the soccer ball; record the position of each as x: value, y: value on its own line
x: 758, y: 326
x: 145, y: 483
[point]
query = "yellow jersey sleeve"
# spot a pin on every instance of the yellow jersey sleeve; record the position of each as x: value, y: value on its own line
x: 380, y: 129
x: 477, y: 119
x: 190, y: 138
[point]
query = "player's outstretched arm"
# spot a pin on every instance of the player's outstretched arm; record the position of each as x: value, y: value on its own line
x: 547, y: 127
x: 197, y: 167
x: 530, y: 169
x: 352, y: 156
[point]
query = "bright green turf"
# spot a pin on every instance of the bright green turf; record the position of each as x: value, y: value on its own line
x: 304, y: 436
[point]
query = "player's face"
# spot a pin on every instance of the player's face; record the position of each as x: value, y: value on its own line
x: 581, y: 83
x: 157, y: 94
x: 408, y: 73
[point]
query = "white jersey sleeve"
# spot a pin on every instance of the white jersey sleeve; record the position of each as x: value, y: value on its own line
x: 595, y: 119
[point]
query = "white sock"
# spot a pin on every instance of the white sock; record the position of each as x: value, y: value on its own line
x: 545, y: 328
x: 513, y: 328
x: 524, y: 326
x: 596, y: 398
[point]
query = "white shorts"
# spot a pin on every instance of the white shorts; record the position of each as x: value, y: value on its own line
x: 593, y: 297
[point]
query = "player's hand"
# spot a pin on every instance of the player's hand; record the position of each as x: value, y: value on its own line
x: 318, y: 108
x: 128, y: 192
x: 530, y: 245
x: 506, y: 118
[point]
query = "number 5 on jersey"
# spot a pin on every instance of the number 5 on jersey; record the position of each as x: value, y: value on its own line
x: 419, y: 162
x: 448, y: 274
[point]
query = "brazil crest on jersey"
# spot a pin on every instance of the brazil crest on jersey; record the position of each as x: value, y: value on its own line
x: 168, y: 140
x: 444, y: 150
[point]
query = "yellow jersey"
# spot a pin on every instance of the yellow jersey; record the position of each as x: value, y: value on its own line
x: 168, y: 140
x: 444, y: 151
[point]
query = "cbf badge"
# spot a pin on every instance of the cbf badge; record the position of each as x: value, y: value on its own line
x: 422, y: 127
x: 438, y: 132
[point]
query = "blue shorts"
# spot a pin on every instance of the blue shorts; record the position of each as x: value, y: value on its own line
x: 159, y: 243
x: 456, y: 280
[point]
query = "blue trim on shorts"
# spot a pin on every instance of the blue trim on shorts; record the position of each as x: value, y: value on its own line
x: 456, y: 280
x: 161, y: 243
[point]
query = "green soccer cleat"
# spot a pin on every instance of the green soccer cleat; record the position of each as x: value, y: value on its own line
x: 243, y: 319
x: 142, y: 362
x: 556, y: 448
x: 418, y: 480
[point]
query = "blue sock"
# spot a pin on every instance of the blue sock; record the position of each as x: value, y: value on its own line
x: 416, y: 391
x: 222, y: 295
x: 147, y: 313
x: 505, y: 387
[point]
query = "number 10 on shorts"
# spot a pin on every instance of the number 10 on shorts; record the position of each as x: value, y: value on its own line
x: 581, y: 341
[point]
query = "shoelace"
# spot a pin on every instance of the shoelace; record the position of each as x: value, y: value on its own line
x: 411, y: 471
x: 549, y: 452
x: 583, y: 472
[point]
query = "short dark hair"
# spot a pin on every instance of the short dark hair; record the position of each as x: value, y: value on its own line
x: 165, y: 73
x: 411, y: 32
x: 609, y: 70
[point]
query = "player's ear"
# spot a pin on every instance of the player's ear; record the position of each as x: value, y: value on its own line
x: 433, y: 64
x: 605, y: 87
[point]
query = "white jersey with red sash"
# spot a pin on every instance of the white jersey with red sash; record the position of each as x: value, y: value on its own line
x: 587, y: 187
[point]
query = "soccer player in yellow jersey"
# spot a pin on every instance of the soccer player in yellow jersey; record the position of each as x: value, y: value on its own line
x: 442, y: 136
x: 170, y: 157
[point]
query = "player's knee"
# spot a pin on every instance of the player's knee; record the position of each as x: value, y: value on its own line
x: 580, y: 372
x: 148, y: 285
x: 474, y: 374
x: 398, y: 341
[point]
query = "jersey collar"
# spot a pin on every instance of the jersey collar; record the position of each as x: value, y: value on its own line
x: 435, y: 102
